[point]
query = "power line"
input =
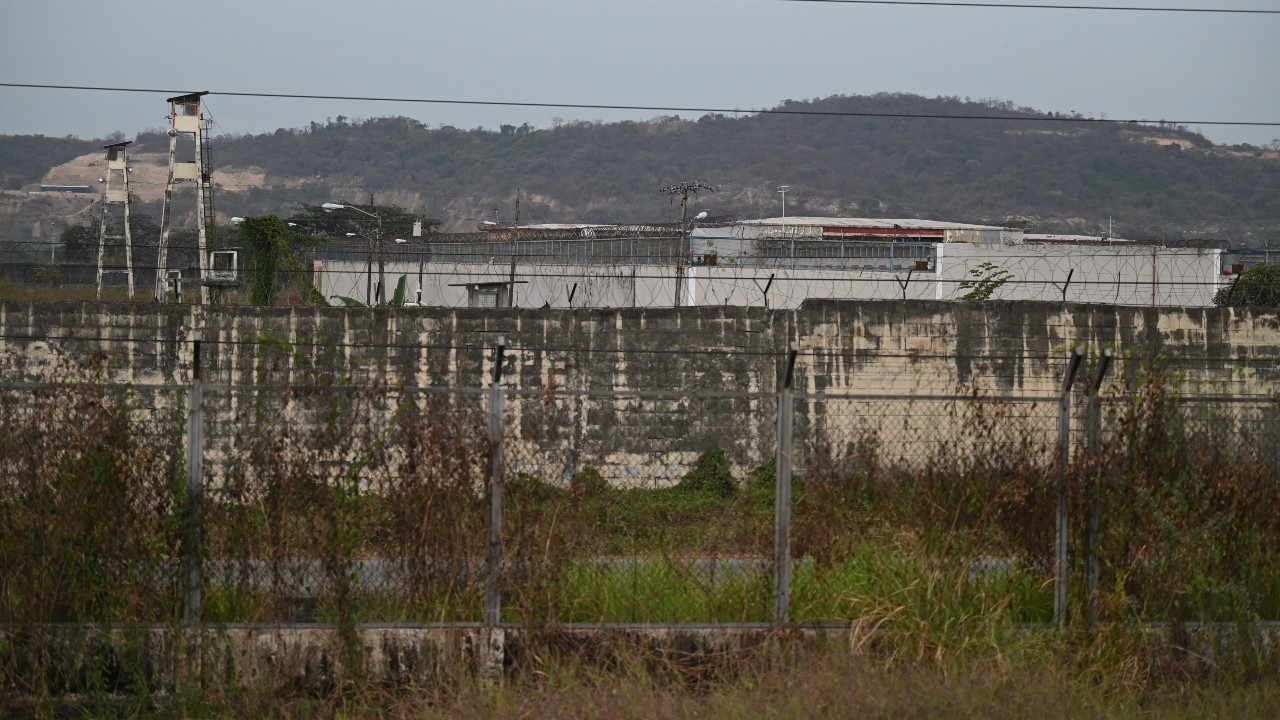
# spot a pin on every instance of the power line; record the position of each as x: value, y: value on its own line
x: 1027, y: 6
x: 662, y: 108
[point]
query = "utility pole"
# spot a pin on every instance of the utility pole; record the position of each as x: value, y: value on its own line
x: 515, y: 247
x: 684, y: 189
x: 783, y: 189
x: 382, y: 255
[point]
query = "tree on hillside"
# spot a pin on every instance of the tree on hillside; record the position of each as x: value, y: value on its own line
x: 396, y: 221
x: 1062, y: 176
x: 81, y: 241
x: 1258, y: 286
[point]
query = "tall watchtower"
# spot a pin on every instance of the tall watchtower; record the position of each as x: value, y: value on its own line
x: 186, y: 118
x: 115, y: 193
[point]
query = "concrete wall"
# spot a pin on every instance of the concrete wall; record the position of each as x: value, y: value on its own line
x: 639, y: 393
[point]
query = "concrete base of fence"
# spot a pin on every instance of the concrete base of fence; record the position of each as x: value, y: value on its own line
x: 314, y: 659
x: 60, y: 660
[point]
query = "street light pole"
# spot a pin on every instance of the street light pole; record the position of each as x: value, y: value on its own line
x: 783, y: 189
x: 382, y: 263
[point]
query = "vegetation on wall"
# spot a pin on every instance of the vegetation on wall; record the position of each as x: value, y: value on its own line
x: 271, y: 261
x: 983, y: 281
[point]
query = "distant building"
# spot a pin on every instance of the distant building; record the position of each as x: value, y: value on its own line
x: 862, y: 243
x: 780, y: 262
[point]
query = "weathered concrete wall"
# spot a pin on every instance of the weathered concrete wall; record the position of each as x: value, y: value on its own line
x: 585, y: 372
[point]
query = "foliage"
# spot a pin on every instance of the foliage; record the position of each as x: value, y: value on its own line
x: 710, y: 475
x: 984, y: 280
x: 92, y: 499
x: 271, y: 249
x: 397, y: 298
x: 1191, y: 530
x: 396, y: 221
x: 81, y: 243
x: 932, y: 562
x: 1257, y: 286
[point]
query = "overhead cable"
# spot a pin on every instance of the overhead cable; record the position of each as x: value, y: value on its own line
x: 1029, y: 6
x: 664, y: 108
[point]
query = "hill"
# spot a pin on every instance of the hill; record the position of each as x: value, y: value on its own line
x: 1053, y: 174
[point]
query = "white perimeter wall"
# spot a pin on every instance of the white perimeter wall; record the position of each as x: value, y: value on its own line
x: 1120, y: 275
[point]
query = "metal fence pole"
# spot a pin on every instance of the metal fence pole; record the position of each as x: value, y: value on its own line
x: 195, y: 487
x: 493, y: 557
x: 782, y: 494
x: 1093, y: 490
x: 1064, y: 458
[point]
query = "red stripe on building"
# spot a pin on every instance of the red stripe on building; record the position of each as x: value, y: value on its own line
x: 889, y: 232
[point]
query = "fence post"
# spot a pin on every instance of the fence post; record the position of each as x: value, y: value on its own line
x: 782, y: 493
x: 191, y: 610
x: 1064, y: 458
x: 1093, y: 491
x: 493, y: 557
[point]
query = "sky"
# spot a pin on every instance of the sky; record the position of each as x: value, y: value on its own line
x: 720, y: 54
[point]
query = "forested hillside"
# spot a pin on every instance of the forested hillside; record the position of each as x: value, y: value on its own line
x: 1052, y: 175
x: 24, y: 159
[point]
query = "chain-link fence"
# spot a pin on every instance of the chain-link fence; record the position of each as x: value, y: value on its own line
x: 306, y: 497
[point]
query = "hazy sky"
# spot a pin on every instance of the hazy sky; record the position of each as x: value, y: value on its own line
x: 689, y: 53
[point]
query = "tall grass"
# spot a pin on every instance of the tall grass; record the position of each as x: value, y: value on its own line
x: 92, y: 512
x: 1190, y: 505
x: 333, y: 498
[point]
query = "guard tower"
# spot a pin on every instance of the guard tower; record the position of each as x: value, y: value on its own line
x: 186, y: 118
x: 115, y: 194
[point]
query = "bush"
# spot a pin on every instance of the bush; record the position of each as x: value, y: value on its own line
x: 1259, y: 286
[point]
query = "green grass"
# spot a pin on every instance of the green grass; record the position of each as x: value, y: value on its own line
x: 936, y: 570
x: 884, y: 587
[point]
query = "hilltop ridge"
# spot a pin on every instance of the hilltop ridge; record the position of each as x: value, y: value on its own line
x: 1054, y: 173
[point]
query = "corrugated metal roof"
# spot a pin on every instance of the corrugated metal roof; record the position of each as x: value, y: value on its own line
x: 1072, y: 239
x: 885, y: 223
x: 556, y: 226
